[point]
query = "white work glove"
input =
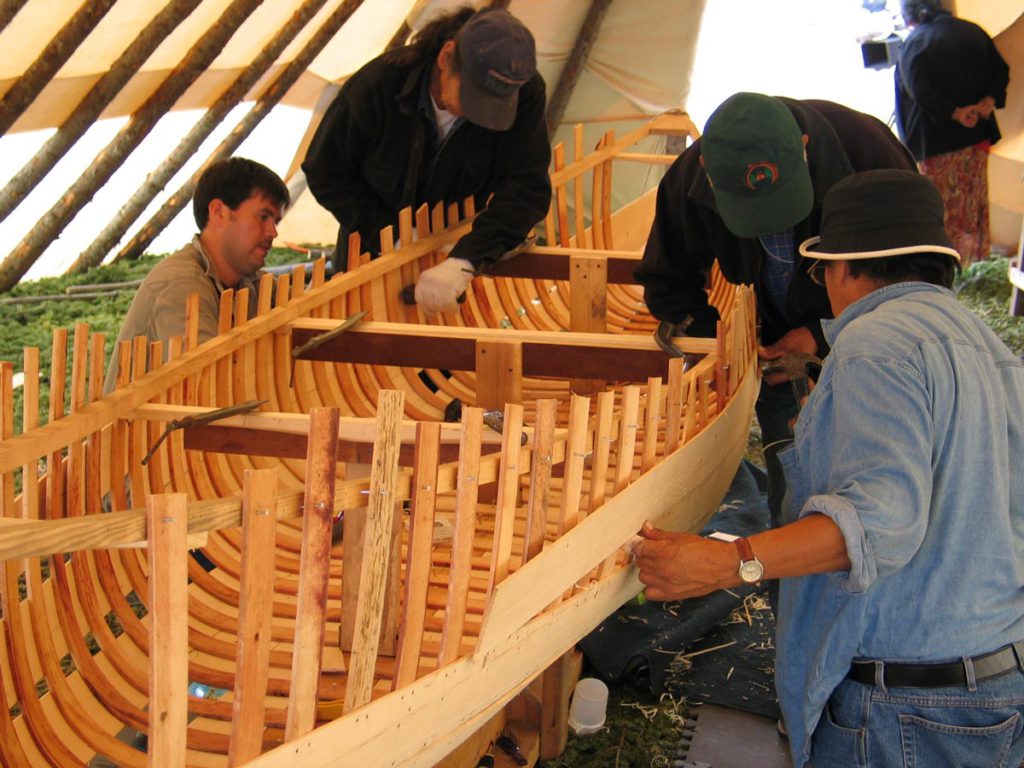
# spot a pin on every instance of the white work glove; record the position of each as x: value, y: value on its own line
x: 439, y: 288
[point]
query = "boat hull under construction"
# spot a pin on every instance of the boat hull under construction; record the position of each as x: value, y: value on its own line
x: 272, y: 549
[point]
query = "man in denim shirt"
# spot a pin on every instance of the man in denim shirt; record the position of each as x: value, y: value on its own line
x: 902, y: 601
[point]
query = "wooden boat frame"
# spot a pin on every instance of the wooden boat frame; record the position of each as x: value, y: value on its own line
x: 474, y: 559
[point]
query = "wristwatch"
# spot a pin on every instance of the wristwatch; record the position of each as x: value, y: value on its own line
x: 751, y: 570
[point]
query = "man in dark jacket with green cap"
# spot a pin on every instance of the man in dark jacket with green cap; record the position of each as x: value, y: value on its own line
x: 747, y: 193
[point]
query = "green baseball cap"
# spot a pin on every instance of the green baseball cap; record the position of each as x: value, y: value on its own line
x: 753, y: 153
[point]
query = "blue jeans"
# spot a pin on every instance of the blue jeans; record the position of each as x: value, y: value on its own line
x: 923, y: 727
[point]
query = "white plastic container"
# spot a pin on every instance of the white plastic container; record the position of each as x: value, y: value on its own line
x: 587, y: 710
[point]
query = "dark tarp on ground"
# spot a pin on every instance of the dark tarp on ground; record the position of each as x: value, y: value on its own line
x: 642, y: 641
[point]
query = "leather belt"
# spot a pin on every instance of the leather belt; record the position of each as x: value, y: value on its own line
x: 903, y: 675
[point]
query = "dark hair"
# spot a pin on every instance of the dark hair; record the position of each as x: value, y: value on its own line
x: 429, y: 41
x: 935, y: 268
x: 233, y: 181
x: 921, y: 11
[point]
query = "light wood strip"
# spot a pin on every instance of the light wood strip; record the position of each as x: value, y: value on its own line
x: 652, y: 418
x: 255, y: 607
x: 376, y: 556
x: 540, y: 478
x: 675, y: 401
x: 417, y: 569
x: 464, y: 534
x: 167, y: 518
x: 512, y: 458
x: 318, y: 502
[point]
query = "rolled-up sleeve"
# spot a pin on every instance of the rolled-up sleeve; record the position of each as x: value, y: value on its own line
x: 874, y: 422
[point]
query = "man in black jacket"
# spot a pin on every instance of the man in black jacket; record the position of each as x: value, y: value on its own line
x: 747, y: 193
x: 458, y: 112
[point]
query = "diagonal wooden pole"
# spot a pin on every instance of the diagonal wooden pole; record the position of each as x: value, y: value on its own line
x: 195, y: 62
x: 93, y: 103
x: 50, y: 60
x: 8, y: 10
x: 267, y: 100
x: 213, y: 116
x: 574, y: 64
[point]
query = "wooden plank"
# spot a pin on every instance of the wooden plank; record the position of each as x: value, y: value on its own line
x: 561, y: 202
x: 577, y: 187
x: 588, y: 286
x: 376, y: 559
x: 507, y: 494
x: 167, y: 518
x: 256, y: 593
x: 464, y: 535
x: 575, y: 462
x: 540, y: 478
x: 606, y: 194
x: 675, y: 399
x: 558, y: 682
x: 551, y: 262
x: 318, y: 503
x: 545, y: 353
x: 588, y: 310
x: 602, y: 450
x: 652, y: 417
x: 499, y: 373
x: 417, y: 568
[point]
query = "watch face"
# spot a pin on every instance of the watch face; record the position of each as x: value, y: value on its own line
x: 751, y: 571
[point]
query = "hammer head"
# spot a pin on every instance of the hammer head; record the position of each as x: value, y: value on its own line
x: 795, y: 365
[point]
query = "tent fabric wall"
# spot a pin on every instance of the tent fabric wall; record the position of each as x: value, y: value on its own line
x: 367, y: 32
x: 621, y: 85
x: 639, y: 65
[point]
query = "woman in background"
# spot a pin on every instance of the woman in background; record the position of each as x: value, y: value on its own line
x: 949, y: 79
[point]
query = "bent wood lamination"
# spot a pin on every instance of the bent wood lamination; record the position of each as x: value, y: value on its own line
x: 341, y: 577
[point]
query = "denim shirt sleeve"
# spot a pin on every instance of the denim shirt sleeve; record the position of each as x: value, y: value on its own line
x: 867, y: 446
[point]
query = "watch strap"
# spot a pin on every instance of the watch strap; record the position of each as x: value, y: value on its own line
x: 746, y: 553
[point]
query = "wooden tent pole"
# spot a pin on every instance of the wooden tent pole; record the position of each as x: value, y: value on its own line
x: 268, y: 99
x: 574, y: 64
x: 8, y: 10
x: 155, y: 181
x: 93, y: 103
x: 195, y: 62
x: 52, y: 58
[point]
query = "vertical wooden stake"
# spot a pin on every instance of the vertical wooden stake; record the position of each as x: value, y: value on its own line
x: 508, y: 490
x: 652, y: 415
x: 540, y: 478
x: 167, y: 521
x: 417, y: 568
x: 674, y: 405
x: 465, y: 532
x: 311, y: 607
x: 255, y: 612
x: 380, y: 516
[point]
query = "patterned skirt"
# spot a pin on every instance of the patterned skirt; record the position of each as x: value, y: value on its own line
x: 962, y: 178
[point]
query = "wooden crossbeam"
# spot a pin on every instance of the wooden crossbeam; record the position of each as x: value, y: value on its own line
x: 285, y: 435
x: 614, y: 357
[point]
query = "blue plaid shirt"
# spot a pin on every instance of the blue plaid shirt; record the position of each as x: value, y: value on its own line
x: 777, y: 269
